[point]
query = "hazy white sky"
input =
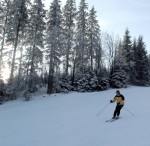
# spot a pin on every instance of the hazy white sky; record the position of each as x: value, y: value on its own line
x: 116, y: 15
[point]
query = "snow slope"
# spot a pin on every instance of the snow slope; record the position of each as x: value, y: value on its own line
x: 71, y: 120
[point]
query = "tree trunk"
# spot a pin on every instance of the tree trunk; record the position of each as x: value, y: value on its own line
x: 2, y: 44
x: 50, y: 76
x: 14, y: 53
x: 73, y: 72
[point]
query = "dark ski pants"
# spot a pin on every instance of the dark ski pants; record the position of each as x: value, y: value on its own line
x: 117, y: 110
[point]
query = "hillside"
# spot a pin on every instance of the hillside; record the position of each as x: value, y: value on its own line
x: 71, y: 120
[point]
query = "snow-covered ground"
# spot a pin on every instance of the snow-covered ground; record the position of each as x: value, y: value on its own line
x: 71, y: 120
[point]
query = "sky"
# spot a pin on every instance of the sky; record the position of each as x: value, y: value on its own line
x: 116, y: 15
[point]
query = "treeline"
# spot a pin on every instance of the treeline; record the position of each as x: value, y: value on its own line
x: 63, y: 49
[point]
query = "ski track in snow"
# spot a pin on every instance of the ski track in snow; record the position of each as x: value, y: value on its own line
x: 71, y: 120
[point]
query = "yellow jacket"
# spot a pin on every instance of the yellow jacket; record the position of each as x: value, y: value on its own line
x: 119, y: 99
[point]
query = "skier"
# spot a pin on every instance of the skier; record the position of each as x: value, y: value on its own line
x: 119, y: 98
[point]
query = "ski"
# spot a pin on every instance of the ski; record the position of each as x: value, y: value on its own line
x: 112, y: 120
x: 109, y: 120
x: 115, y: 119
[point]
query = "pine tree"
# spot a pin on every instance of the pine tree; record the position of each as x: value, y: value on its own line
x: 4, y: 10
x: 98, y: 60
x: 93, y: 39
x: 16, y: 24
x: 81, y: 37
x: 54, y: 41
x: 128, y: 53
x: 127, y: 46
x: 69, y: 16
x: 35, y: 40
x: 132, y: 69
x: 119, y: 77
x: 2, y: 36
x: 141, y: 63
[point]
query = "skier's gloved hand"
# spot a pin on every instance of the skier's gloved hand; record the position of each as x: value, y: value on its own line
x: 111, y: 101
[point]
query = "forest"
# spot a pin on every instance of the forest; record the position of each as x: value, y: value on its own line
x: 64, y: 49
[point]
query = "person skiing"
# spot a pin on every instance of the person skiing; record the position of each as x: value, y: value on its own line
x: 119, y: 98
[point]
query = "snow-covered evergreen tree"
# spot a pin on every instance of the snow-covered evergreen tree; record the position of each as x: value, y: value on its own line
x: 91, y: 81
x: 119, y: 77
x: 2, y: 20
x: 132, y: 63
x: 4, y: 10
x: 128, y: 52
x: 69, y: 17
x: 141, y: 63
x: 127, y: 46
x: 93, y: 39
x: 81, y: 37
x: 54, y: 41
x: 98, y: 59
x: 16, y: 25
x: 35, y: 40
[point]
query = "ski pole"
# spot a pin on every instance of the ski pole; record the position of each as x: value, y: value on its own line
x: 103, y: 109
x: 128, y: 111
